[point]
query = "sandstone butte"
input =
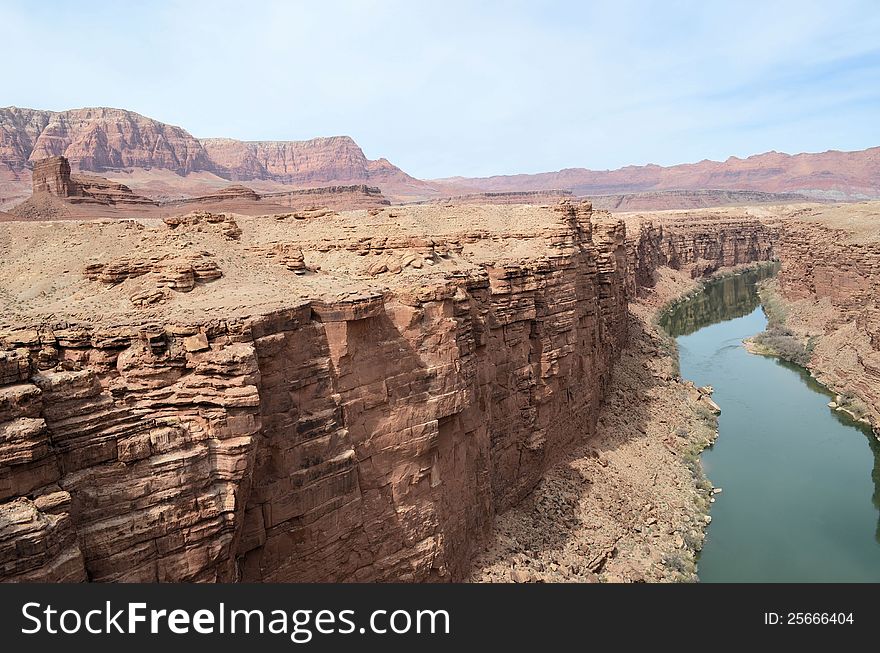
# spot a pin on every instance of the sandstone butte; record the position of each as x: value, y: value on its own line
x: 362, y: 395
x: 165, y: 162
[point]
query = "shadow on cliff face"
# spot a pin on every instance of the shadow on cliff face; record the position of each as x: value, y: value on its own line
x: 613, y: 494
x: 369, y: 471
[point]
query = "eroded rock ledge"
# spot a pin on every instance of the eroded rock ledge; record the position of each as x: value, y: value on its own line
x: 829, y: 284
x: 338, y: 421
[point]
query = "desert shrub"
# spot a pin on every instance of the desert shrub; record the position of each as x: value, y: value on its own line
x: 780, y: 341
x: 676, y: 561
x: 774, y: 308
x: 706, y: 414
x: 692, y: 540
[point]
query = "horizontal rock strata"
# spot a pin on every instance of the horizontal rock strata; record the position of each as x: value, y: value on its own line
x: 366, y: 435
x: 830, y: 277
x: 57, y: 194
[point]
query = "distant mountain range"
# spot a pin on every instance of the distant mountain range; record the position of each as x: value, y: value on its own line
x: 164, y: 161
x: 831, y: 175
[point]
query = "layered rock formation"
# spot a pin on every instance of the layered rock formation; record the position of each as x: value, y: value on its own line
x: 115, y: 140
x: 52, y: 177
x: 57, y: 194
x: 166, y: 162
x: 241, y: 199
x: 303, y: 163
x: 513, y: 197
x: 359, y: 196
x: 352, y: 399
x: 830, y: 283
x: 701, y: 244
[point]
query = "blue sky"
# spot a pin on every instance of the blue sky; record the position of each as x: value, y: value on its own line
x: 468, y: 88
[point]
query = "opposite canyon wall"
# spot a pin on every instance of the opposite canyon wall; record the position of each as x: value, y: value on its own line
x: 830, y: 283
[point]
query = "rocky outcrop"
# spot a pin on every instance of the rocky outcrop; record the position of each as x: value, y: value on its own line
x: 370, y: 435
x: 830, y: 283
x: 701, y: 244
x: 52, y: 179
x: 57, y: 194
x: 115, y: 140
x: 223, y: 223
x: 52, y: 176
x: 179, y: 273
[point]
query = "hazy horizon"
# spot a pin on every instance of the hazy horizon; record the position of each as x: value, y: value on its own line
x: 462, y: 90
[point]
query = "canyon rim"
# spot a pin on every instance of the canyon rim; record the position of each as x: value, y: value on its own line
x: 449, y: 390
x: 378, y: 293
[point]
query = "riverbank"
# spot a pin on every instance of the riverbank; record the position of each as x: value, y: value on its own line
x: 809, y: 335
x: 632, y: 504
x: 800, y: 481
x: 581, y: 512
x: 826, y: 296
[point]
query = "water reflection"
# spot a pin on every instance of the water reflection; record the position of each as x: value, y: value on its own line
x: 723, y: 299
x: 801, y: 497
x: 846, y: 420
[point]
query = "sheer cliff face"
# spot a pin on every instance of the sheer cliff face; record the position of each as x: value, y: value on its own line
x: 97, y: 139
x: 702, y: 243
x: 108, y: 140
x: 364, y: 437
x: 318, y: 161
x: 830, y: 276
x: 405, y: 376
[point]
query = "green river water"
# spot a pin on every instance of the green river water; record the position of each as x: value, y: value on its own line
x: 801, y: 482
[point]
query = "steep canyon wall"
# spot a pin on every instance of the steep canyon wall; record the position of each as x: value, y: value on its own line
x: 830, y: 281
x: 697, y: 244
x: 371, y: 436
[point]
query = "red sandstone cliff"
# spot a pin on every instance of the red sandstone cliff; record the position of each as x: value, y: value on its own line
x: 303, y: 163
x: 701, y: 244
x: 96, y: 140
x: 370, y: 436
x: 830, y: 283
x: 107, y: 140
x: 115, y: 141
x: 57, y: 194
